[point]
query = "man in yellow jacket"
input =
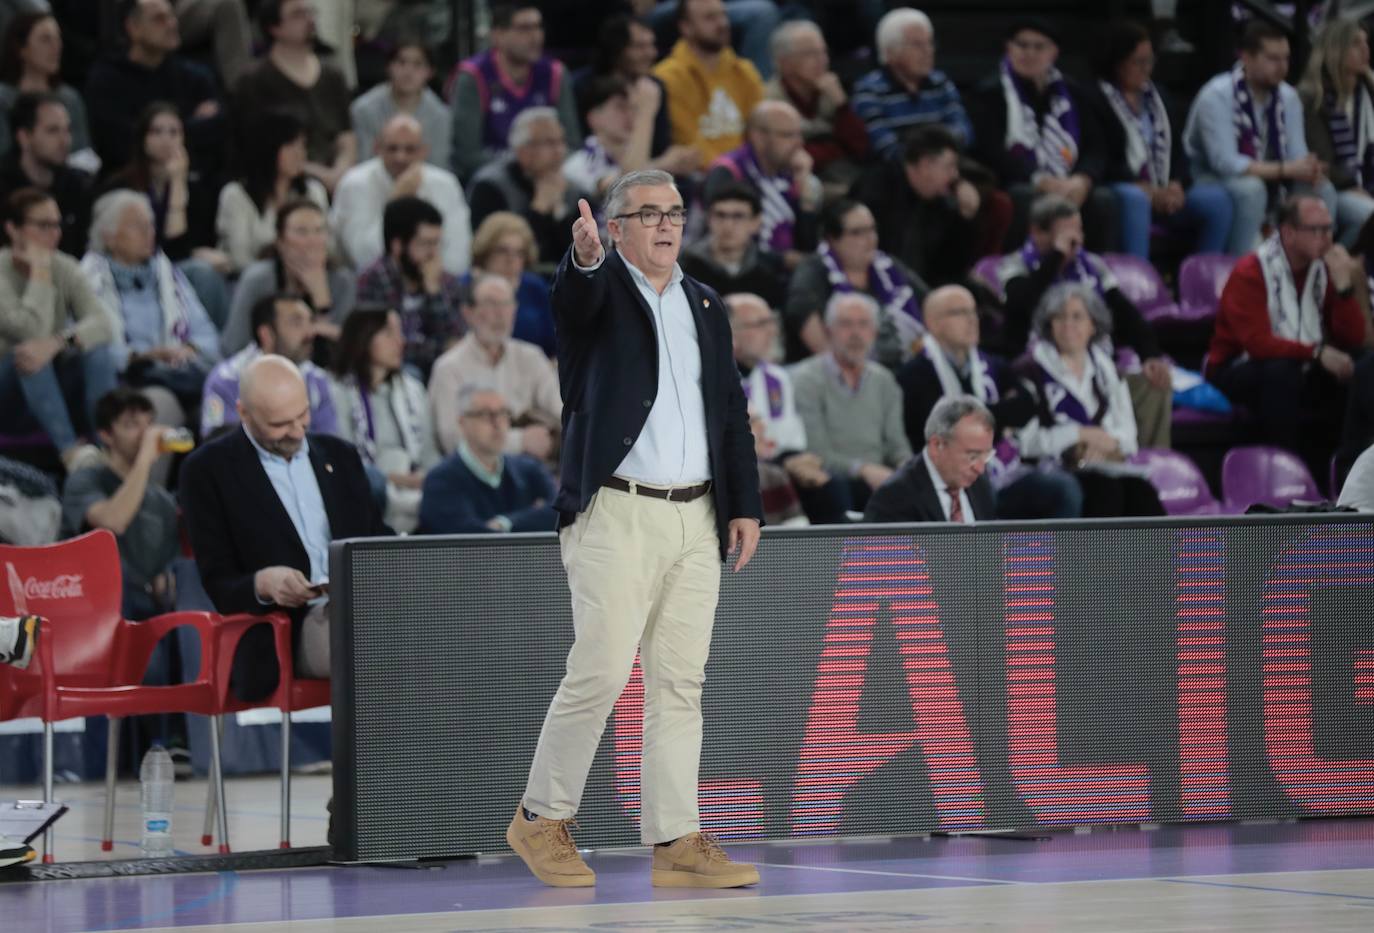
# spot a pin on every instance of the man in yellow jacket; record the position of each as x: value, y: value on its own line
x: 711, y: 90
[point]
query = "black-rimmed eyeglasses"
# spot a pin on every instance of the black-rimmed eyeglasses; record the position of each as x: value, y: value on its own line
x: 652, y: 217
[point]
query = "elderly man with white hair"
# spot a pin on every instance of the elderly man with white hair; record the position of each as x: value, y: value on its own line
x: 399, y: 170
x: 852, y: 406
x: 530, y: 182
x: 834, y: 135
x: 165, y: 342
x: 907, y: 90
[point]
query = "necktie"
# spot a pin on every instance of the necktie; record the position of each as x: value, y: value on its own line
x: 956, y: 508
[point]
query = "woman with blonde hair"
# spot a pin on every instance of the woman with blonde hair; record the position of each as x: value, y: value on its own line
x: 1337, y: 92
x: 504, y: 245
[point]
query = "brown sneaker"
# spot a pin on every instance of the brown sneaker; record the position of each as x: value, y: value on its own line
x: 697, y: 861
x: 547, y: 849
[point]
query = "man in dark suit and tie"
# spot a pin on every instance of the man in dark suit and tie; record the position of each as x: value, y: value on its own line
x: 262, y: 502
x: 658, y: 485
x: 945, y: 482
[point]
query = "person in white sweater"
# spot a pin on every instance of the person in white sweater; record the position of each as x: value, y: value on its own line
x: 1084, y: 420
x: 398, y: 170
x: 273, y: 160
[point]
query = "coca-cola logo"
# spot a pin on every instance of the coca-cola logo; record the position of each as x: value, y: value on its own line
x: 63, y: 586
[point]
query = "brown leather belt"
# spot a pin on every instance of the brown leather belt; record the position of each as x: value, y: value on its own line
x: 672, y: 493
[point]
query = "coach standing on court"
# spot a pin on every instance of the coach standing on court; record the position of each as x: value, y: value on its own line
x: 659, y: 484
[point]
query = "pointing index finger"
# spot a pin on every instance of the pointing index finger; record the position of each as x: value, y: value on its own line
x: 586, y: 210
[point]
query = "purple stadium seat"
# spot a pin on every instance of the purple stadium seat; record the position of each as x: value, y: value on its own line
x: 985, y: 269
x: 1200, y: 281
x: 1140, y: 282
x: 1181, y: 486
x: 1270, y: 475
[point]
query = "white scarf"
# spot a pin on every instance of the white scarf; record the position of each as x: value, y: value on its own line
x: 984, y: 389
x: 409, y: 403
x: 1055, y: 149
x: 1291, y: 316
x: 1153, y: 155
x: 171, y: 288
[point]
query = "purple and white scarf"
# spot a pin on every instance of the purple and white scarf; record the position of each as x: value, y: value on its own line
x: 777, y: 194
x: 773, y: 388
x: 892, y: 291
x: 1148, y: 159
x: 1051, y: 144
x: 1062, y: 403
x: 1353, y: 145
x: 1084, y: 268
x: 1246, y: 122
x: 1292, y: 316
x: 408, y: 401
x: 980, y: 373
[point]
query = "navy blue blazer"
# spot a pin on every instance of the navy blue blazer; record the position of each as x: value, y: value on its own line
x: 910, y: 496
x: 608, y: 372
x: 238, y: 526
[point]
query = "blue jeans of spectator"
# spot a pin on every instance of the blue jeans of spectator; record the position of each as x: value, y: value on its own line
x: 1250, y: 200
x: 47, y: 395
x: 1353, y: 208
x: 1207, y: 212
x: 210, y: 288
x: 751, y: 25
x: 1040, y: 494
x: 376, y: 482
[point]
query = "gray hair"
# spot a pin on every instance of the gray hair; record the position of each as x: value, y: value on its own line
x: 893, y: 24
x: 478, y: 279
x: 952, y: 409
x: 523, y: 125
x: 1048, y: 208
x: 1053, y: 302
x: 619, y: 195
x: 470, y: 390
x: 744, y: 298
x: 780, y: 45
x: 107, y: 212
x: 838, y: 299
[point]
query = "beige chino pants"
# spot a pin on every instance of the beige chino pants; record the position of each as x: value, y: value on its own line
x: 644, y: 574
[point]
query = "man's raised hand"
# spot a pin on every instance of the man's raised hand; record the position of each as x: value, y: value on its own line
x: 586, y: 237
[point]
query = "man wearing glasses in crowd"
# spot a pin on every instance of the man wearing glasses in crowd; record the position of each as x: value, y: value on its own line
x: 945, y: 483
x: 659, y: 484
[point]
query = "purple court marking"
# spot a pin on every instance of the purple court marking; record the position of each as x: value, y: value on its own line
x: 855, y: 866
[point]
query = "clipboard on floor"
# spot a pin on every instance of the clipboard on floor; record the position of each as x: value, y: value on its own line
x: 27, y: 819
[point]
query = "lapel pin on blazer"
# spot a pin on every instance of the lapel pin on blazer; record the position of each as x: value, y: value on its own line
x: 706, y: 302
x: 329, y: 468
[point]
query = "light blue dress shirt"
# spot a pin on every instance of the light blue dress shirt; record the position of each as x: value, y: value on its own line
x: 299, y: 491
x: 1209, y: 136
x: 672, y: 450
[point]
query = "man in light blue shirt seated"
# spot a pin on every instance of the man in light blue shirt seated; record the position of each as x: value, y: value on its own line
x: 1245, y: 132
x: 480, y: 489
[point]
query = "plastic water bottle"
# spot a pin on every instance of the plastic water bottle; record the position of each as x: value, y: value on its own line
x: 157, y: 777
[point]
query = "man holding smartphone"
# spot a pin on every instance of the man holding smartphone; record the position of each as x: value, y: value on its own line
x: 262, y: 504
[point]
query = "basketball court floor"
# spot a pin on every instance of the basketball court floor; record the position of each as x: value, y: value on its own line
x: 1305, y: 876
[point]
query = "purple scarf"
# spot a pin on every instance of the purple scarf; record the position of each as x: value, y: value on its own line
x: 1244, y: 119
x: 1077, y: 269
x: 777, y: 193
x: 773, y: 385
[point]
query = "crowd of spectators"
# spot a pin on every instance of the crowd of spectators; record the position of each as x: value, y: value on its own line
x: 377, y: 257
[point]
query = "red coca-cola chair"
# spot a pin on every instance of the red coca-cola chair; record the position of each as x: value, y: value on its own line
x: 90, y: 660
x: 292, y: 695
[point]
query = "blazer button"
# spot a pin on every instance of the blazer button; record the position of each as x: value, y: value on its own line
x: 648, y: 403
x: 629, y: 441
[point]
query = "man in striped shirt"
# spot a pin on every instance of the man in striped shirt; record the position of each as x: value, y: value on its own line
x: 907, y: 91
